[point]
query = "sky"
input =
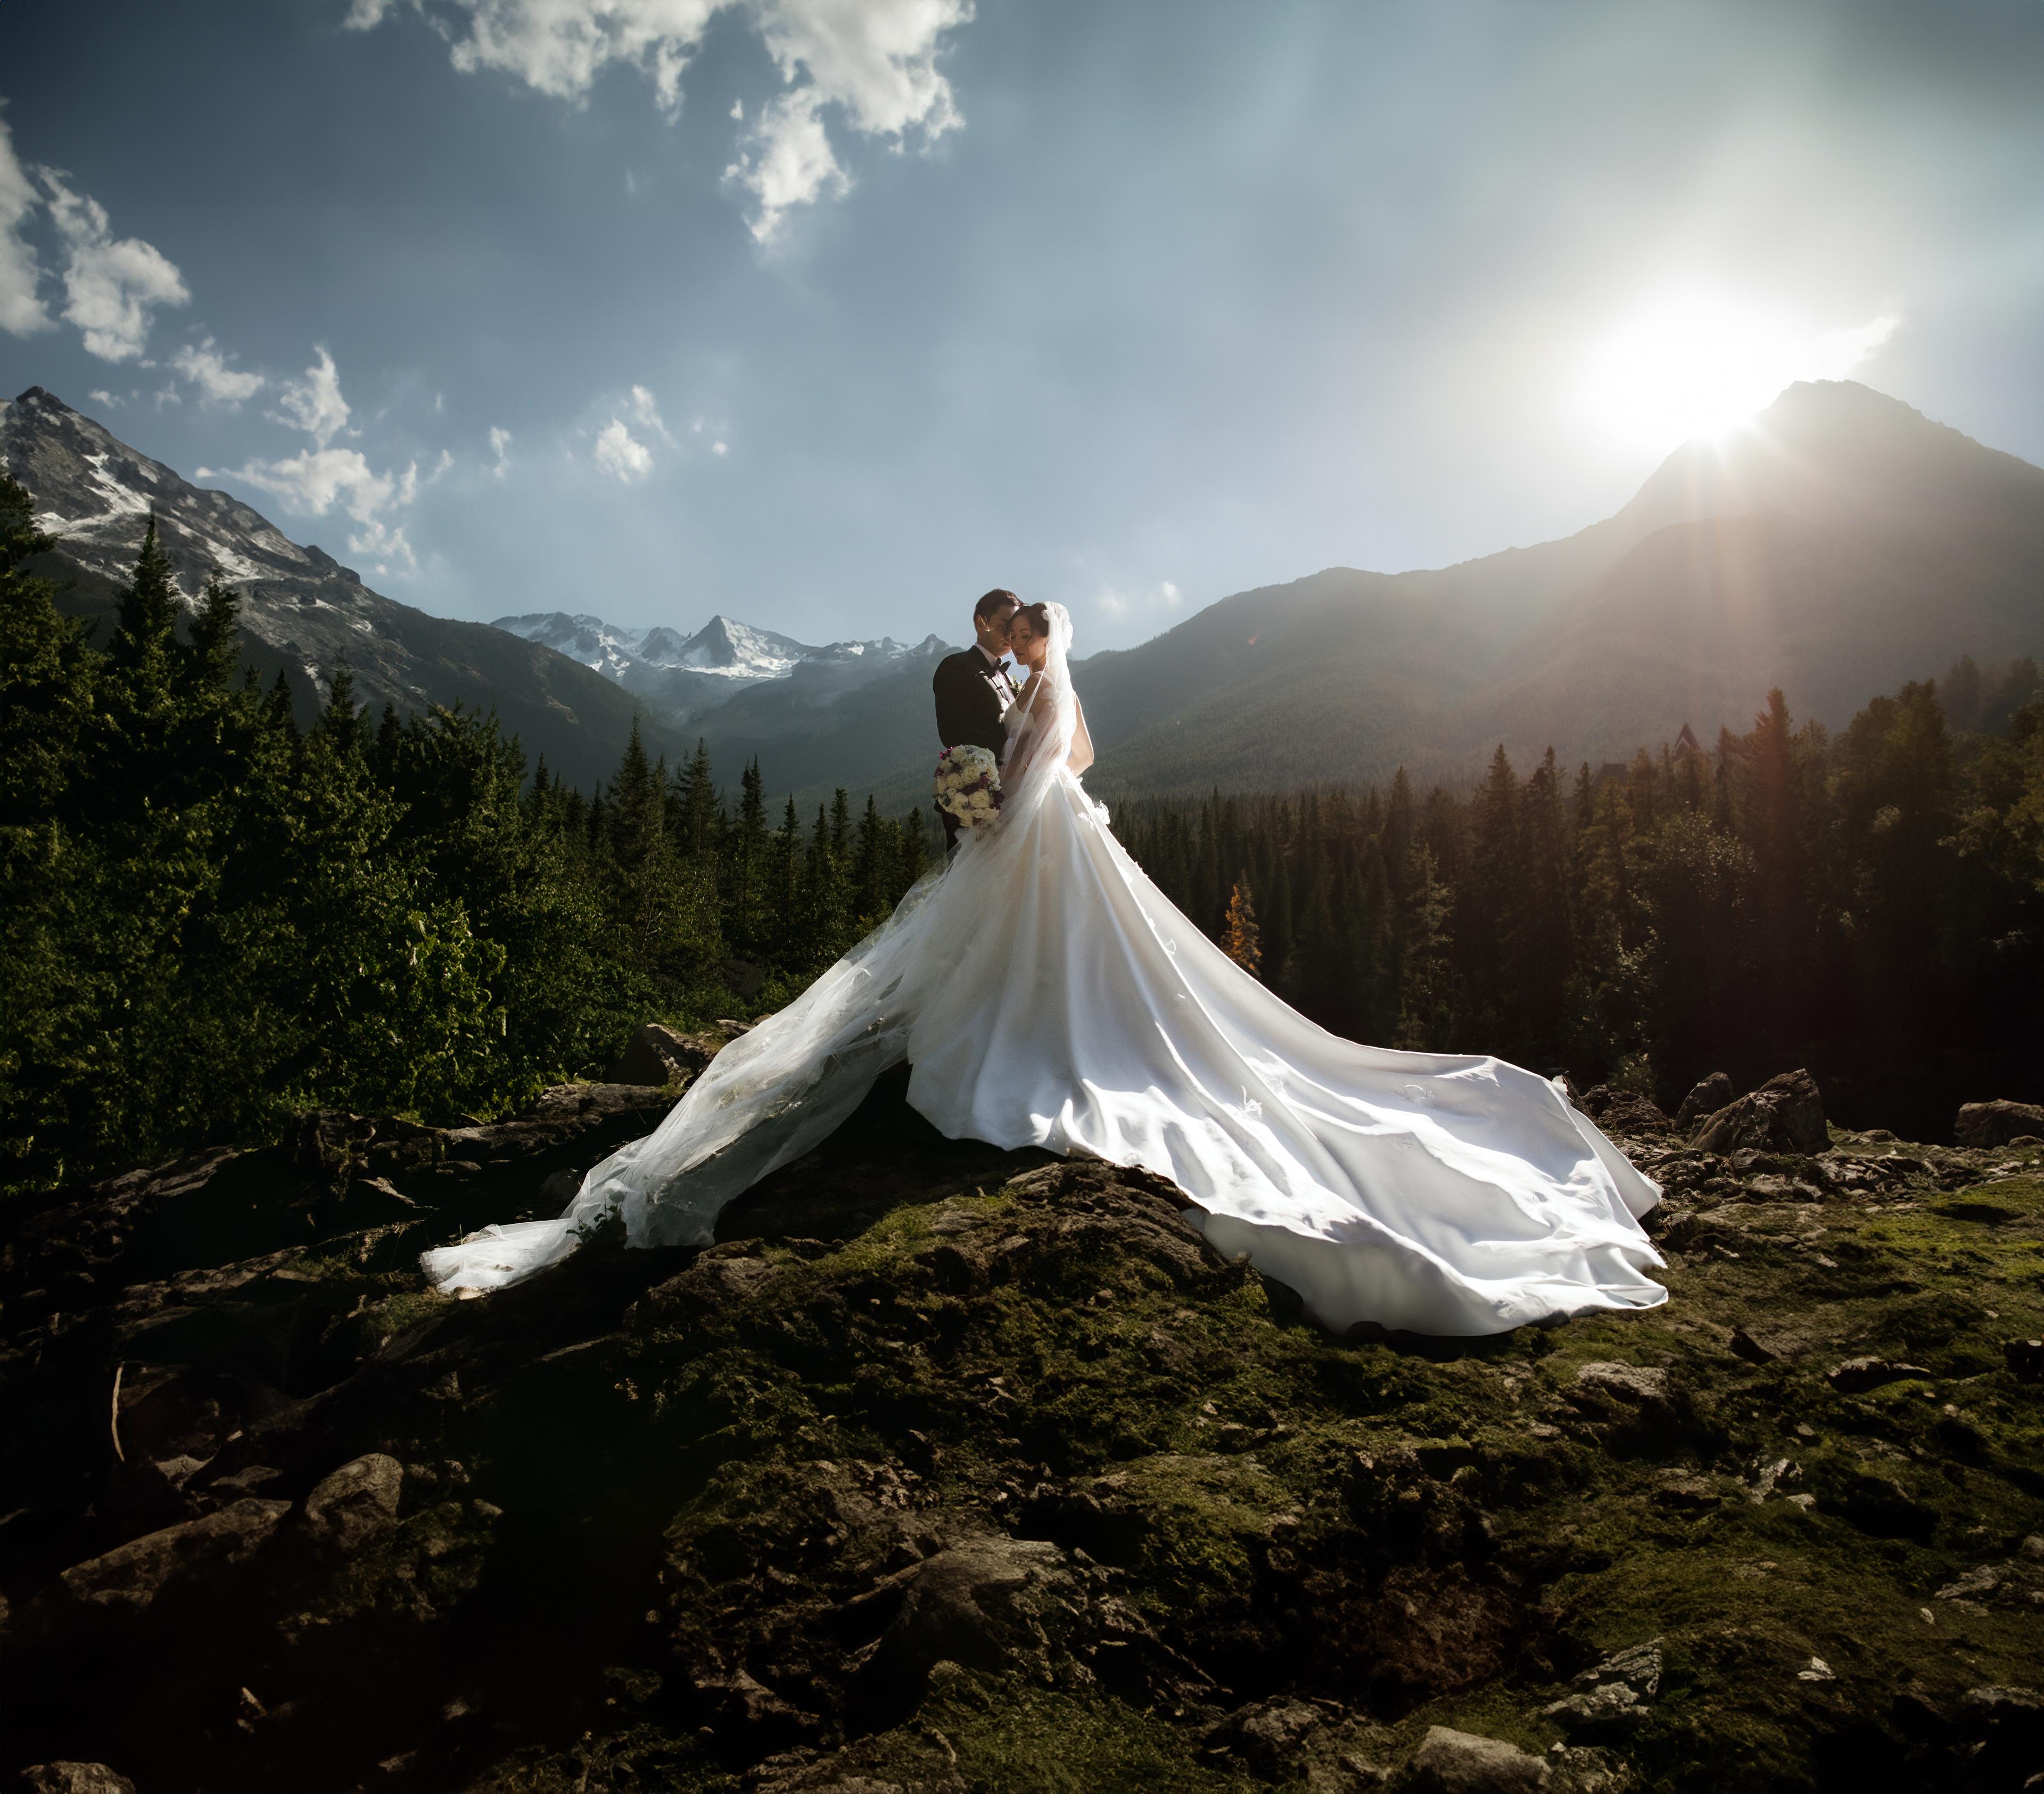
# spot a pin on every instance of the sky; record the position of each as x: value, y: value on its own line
x: 831, y: 314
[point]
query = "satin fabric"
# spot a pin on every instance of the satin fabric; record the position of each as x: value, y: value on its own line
x: 1048, y: 995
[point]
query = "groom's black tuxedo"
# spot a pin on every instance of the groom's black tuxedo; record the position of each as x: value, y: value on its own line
x: 971, y: 692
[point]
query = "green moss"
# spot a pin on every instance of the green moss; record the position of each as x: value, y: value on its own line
x: 1251, y: 1481
x: 1007, y: 1738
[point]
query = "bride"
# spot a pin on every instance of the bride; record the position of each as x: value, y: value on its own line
x: 1045, y: 994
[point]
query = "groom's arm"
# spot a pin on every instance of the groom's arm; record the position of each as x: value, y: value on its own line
x: 953, y: 685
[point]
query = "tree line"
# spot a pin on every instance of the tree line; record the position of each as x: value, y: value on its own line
x: 210, y: 920
x: 1870, y: 903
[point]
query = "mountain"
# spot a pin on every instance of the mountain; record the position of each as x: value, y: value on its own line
x: 681, y: 677
x: 1839, y: 545
x: 303, y: 614
x: 1843, y: 545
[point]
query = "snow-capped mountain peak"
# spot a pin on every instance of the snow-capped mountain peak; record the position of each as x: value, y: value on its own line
x: 683, y: 674
x: 600, y: 646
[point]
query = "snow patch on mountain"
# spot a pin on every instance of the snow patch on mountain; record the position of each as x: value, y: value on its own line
x: 723, y: 649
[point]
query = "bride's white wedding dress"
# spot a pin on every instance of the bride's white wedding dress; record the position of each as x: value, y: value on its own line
x: 1047, y: 994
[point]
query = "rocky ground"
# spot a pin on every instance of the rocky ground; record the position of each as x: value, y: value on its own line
x: 949, y: 1470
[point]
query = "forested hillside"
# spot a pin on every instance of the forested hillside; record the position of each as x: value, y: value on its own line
x: 210, y: 920
x: 1871, y: 903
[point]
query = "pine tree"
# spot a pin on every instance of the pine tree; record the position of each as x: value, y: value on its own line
x: 1427, y: 1005
x: 873, y: 867
x: 341, y: 723
x: 1277, y: 912
x: 911, y: 851
x: 47, y: 674
x: 147, y: 608
x: 752, y: 919
x: 1240, y: 939
x: 696, y: 827
x: 214, y: 653
x: 784, y: 869
x: 278, y: 706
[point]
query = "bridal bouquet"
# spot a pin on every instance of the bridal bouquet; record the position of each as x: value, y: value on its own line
x: 968, y: 785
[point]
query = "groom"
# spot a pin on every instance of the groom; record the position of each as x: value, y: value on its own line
x: 972, y: 689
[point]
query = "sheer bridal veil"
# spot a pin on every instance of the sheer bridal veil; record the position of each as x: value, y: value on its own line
x: 780, y: 1090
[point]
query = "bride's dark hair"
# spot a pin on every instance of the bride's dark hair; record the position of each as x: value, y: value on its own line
x: 1039, y: 616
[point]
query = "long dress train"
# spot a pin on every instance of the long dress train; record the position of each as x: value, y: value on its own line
x: 1047, y: 994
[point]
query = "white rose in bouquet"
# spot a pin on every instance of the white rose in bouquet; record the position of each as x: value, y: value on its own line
x: 967, y: 786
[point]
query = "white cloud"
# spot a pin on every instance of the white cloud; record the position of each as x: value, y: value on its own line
x: 790, y: 161
x: 324, y: 478
x: 113, y: 285
x: 101, y: 398
x: 648, y: 413
x: 620, y: 453
x: 319, y: 479
x: 720, y: 448
x: 22, y: 312
x: 218, y: 384
x: 314, y: 404
x: 500, y: 443
x: 875, y: 61
x: 560, y: 46
x: 387, y: 549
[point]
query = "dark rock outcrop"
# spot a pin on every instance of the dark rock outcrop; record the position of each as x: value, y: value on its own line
x: 1623, y: 1111
x: 357, y: 1501
x: 1997, y: 1123
x: 74, y: 1778
x: 1713, y: 1093
x: 1786, y: 1114
x: 204, y: 1551
x: 1459, y: 1762
x: 662, y: 1056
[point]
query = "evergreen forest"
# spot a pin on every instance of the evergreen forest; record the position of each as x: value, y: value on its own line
x: 210, y: 920
x: 1869, y: 903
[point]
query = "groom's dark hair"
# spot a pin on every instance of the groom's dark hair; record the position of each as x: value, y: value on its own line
x: 991, y: 602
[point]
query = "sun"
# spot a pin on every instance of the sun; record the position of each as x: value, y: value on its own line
x: 1698, y: 364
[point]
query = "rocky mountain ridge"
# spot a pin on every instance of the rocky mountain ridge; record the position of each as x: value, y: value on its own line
x: 303, y: 614
x: 683, y: 676
x: 947, y: 1468
x: 1840, y: 545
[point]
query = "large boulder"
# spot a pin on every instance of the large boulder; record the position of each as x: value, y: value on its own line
x: 1623, y: 1112
x: 1995, y: 1125
x: 75, y: 1778
x: 1786, y: 1114
x: 1460, y: 1762
x: 662, y: 1055
x: 357, y: 1501
x: 134, y: 1575
x: 1707, y: 1098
